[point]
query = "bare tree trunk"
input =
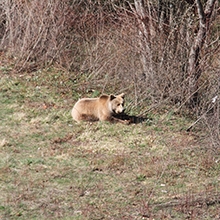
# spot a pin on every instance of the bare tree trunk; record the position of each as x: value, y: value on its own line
x: 144, y: 38
x: 194, y: 70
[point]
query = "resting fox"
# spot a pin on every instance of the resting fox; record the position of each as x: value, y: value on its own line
x: 103, y: 108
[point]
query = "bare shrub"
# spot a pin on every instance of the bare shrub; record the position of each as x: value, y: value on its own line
x: 39, y: 33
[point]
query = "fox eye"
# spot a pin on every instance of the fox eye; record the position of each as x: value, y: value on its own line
x: 118, y: 104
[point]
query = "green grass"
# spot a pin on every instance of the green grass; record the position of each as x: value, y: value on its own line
x: 53, y: 168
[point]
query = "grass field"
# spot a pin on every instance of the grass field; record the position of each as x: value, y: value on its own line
x: 53, y: 168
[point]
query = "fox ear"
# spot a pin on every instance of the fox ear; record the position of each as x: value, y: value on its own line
x: 112, y: 97
x: 122, y: 95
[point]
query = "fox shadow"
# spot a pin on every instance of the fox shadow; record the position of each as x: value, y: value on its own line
x: 132, y: 118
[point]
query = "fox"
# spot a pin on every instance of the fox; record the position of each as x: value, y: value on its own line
x: 103, y: 108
